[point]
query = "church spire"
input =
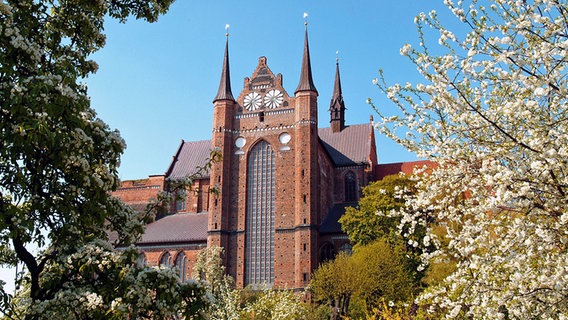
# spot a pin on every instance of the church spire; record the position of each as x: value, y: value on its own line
x: 224, y: 92
x: 337, y: 106
x: 306, y: 81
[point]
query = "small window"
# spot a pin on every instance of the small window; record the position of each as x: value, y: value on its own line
x: 141, y: 260
x: 327, y: 252
x: 180, y: 205
x: 350, y: 187
x: 347, y: 248
x: 181, y: 264
x: 166, y: 260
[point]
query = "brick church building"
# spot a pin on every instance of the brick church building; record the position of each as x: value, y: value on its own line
x: 283, y: 182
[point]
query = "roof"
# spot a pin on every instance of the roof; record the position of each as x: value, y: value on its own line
x: 190, y: 156
x: 331, y: 222
x: 350, y: 146
x: 180, y: 227
x: 387, y: 169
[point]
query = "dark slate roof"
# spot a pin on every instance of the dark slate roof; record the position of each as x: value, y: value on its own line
x: 387, y: 169
x: 306, y: 80
x: 331, y: 222
x: 180, y: 227
x: 224, y: 92
x: 189, y: 157
x: 350, y: 146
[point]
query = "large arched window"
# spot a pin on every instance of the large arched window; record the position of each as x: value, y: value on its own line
x: 259, y: 263
x: 181, y: 263
x: 350, y: 187
x: 166, y: 260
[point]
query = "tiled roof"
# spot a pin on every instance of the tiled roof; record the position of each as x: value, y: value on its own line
x: 180, y: 227
x: 189, y: 157
x: 350, y: 146
x: 331, y: 222
x: 386, y: 169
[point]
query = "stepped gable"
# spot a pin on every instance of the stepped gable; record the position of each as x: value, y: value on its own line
x: 351, y: 146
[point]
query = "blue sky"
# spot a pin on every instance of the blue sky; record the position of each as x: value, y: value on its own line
x: 155, y: 82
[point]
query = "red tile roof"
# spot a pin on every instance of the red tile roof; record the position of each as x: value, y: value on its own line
x: 386, y: 169
x: 180, y: 227
x: 350, y: 146
x: 189, y: 157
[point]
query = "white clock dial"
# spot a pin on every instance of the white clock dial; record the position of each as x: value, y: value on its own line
x: 273, y: 99
x: 252, y: 101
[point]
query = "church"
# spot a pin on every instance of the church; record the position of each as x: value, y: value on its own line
x: 283, y: 182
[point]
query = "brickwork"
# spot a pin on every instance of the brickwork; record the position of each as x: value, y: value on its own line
x: 308, y: 182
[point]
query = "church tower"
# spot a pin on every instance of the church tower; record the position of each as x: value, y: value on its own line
x: 306, y: 171
x: 265, y: 214
x: 223, y: 112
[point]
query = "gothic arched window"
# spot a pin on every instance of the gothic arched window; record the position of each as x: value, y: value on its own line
x: 166, y: 260
x: 350, y: 187
x: 259, y: 249
x: 347, y: 248
x: 141, y: 260
x: 181, y: 263
x: 327, y: 252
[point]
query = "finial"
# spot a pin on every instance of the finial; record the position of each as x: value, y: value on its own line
x: 337, y: 57
x: 306, y: 19
x: 227, y: 30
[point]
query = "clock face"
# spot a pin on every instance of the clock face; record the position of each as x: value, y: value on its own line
x: 252, y: 101
x: 273, y: 99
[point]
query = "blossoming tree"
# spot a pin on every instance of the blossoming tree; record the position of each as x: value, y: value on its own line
x: 58, y: 164
x: 493, y: 112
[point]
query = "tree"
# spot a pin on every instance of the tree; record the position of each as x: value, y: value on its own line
x: 492, y: 113
x: 333, y: 283
x: 375, y: 273
x: 58, y: 165
x: 371, y: 219
x: 210, y: 272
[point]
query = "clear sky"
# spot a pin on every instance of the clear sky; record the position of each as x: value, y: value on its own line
x: 156, y: 82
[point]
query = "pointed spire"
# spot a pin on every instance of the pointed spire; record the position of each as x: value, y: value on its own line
x: 224, y: 92
x: 337, y: 106
x: 337, y: 95
x: 306, y: 81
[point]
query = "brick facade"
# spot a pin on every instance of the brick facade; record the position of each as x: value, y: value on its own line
x: 315, y: 174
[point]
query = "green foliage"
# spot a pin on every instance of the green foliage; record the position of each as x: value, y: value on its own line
x: 375, y: 272
x: 58, y: 166
x: 276, y: 304
x: 372, y: 218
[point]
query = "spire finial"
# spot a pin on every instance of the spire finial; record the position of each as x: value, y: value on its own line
x: 306, y: 81
x: 306, y: 19
x: 224, y: 92
x: 337, y: 105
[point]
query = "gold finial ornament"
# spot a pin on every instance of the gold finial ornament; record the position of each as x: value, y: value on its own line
x: 227, y: 30
x: 306, y: 19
